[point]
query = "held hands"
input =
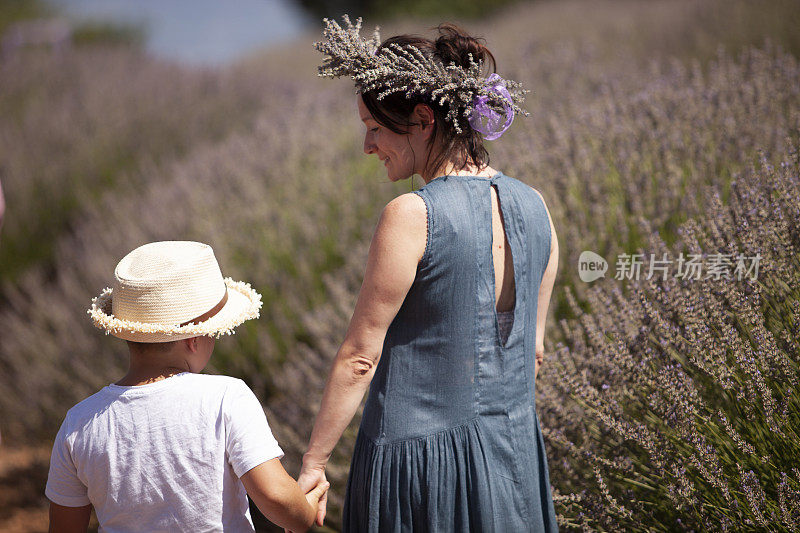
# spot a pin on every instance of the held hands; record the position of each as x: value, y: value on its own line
x: 309, y: 479
x: 316, y: 494
x: 281, y: 498
x: 314, y: 483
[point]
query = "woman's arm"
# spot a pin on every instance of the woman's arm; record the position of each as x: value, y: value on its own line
x: 396, y: 248
x: 545, y: 291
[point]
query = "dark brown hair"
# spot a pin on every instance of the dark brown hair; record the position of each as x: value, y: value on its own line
x: 453, y: 45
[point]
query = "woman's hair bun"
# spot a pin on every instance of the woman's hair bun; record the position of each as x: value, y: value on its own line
x: 454, y: 45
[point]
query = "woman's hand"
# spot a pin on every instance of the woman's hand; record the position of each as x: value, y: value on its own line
x: 309, y: 478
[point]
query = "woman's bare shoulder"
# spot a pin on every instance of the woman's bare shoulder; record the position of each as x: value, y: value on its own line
x: 407, y: 210
x: 404, y: 220
x: 409, y: 204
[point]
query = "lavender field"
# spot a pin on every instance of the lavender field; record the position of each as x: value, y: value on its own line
x: 661, y: 127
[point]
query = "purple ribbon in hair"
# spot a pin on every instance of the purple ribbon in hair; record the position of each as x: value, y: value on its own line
x: 485, y: 120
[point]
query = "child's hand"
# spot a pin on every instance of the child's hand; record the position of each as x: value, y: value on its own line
x: 310, y: 478
x: 281, y: 499
x: 313, y: 496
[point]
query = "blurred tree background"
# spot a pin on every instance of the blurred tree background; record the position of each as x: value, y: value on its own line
x: 651, y: 120
x: 388, y: 9
x: 14, y: 10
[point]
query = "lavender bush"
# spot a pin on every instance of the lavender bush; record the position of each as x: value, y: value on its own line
x: 687, y: 388
x: 76, y: 122
x: 645, y: 146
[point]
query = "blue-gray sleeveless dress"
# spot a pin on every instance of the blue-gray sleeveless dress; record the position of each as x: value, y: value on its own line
x: 450, y: 438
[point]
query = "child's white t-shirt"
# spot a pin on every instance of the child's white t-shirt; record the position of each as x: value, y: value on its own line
x: 166, y: 456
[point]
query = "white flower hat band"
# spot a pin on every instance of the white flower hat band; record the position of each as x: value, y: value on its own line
x: 172, y: 290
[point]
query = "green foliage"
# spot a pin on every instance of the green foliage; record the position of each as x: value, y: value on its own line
x: 104, y: 33
x: 12, y: 11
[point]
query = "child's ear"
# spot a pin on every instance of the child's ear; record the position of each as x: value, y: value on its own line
x: 191, y: 344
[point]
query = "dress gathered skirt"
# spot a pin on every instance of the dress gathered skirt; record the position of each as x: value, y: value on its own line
x: 449, y: 438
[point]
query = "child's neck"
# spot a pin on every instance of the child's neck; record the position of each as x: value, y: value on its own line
x: 143, y: 375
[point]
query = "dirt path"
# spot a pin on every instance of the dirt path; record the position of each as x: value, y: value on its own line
x: 23, y: 474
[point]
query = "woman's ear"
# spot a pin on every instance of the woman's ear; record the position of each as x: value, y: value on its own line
x: 423, y: 115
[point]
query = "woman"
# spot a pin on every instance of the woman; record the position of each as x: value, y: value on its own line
x: 449, y: 324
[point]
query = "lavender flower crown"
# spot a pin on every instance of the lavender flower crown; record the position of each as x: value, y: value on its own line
x: 487, y: 103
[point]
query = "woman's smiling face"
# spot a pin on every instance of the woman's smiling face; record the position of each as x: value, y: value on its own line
x: 396, y: 150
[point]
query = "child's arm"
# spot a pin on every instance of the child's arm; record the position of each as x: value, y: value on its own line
x: 69, y: 519
x: 73, y: 510
x: 279, y: 496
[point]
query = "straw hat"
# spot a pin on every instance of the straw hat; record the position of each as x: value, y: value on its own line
x: 172, y: 290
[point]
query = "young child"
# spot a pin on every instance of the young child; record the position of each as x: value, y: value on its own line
x: 165, y: 448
